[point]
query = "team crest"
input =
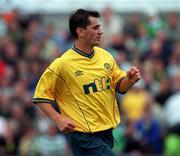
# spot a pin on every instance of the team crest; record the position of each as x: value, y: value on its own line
x: 107, y: 67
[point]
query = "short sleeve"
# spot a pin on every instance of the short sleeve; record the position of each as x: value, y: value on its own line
x: 117, y: 75
x: 46, y: 88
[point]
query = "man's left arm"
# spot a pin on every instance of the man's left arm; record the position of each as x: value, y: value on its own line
x: 133, y: 75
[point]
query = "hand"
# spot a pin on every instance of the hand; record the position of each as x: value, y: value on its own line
x: 65, y: 124
x: 133, y: 75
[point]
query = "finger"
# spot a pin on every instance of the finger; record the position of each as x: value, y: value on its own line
x: 67, y: 131
x: 137, y: 75
x: 137, y: 78
x: 71, y: 126
x: 134, y: 69
x: 133, y: 74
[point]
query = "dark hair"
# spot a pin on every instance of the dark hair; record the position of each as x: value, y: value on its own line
x: 80, y: 19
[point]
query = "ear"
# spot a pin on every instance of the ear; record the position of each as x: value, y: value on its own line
x: 80, y: 31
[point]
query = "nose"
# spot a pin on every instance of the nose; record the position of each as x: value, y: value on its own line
x: 100, y: 31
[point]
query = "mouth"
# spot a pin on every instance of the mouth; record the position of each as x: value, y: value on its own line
x: 98, y: 38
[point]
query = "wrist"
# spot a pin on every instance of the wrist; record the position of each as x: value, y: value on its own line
x: 125, y: 84
x: 56, y: 117
x: 130, y: 81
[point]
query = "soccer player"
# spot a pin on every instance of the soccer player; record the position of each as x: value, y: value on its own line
x: 83, y: 81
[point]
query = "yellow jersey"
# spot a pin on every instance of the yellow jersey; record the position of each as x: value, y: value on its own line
x: 84, y: 88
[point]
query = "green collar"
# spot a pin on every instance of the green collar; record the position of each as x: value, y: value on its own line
x: 83, y: 53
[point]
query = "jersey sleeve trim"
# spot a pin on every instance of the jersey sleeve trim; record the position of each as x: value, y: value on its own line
x: 42, y: 100
x: 118, y: 84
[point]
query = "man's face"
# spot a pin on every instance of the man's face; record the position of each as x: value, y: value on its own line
x: 93, y: 32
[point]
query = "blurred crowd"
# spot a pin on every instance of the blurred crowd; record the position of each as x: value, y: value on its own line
x: 150, y: 118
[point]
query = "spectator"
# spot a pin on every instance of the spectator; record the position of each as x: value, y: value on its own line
x: 134, y: 108
x: 49, y: 144
x: 173, y: 29
x: 112, y: 24
x: 148, y: 130
x: 171, y: 113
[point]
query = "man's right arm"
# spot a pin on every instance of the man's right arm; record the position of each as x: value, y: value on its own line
x: 63, y: 123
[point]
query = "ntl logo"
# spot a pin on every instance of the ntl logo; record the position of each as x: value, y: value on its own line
x: 98, y: 85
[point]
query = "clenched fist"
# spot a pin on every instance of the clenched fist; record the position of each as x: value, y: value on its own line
x: 133, y: 74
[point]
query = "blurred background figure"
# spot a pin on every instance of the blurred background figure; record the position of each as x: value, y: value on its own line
x: 112, y: 25
x: 49, y: 143
x: 148, y: 129
x: 134, y: 109
x: 172, y: 141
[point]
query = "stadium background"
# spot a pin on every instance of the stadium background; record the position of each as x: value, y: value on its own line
x: 144, y: 33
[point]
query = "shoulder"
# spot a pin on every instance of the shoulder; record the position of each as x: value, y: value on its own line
x: 63, y: 58
x: 67, y: 55
x: 103, y: 52
x: 61, y: 61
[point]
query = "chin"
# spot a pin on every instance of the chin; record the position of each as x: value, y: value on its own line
x: 97, y: 43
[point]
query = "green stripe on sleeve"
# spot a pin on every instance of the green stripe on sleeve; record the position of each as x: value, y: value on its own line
x: 42, y: 100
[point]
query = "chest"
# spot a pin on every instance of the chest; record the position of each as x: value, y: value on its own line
x: 89, y: 76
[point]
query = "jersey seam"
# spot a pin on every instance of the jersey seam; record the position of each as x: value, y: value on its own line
x: 114, y: 112
x: 73, y: 97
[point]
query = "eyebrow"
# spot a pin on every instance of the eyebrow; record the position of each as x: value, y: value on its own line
x: 96, y: 26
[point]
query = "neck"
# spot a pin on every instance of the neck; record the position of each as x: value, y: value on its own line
x: 86, y: 49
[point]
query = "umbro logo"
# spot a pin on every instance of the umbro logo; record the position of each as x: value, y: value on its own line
x: 78, y: 73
